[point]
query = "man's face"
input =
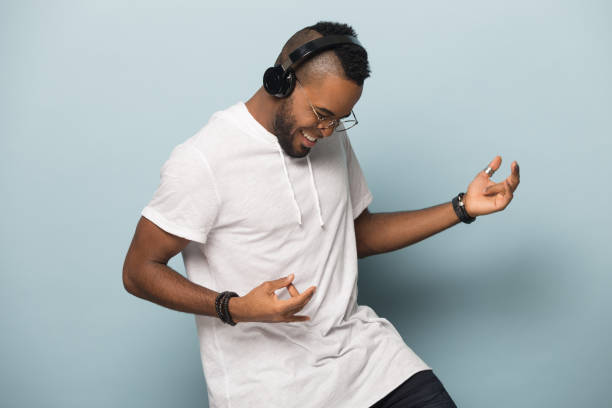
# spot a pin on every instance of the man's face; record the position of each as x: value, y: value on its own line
x: 332, y: 98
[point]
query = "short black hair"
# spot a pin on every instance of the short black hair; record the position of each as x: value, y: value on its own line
x: 353, y: 59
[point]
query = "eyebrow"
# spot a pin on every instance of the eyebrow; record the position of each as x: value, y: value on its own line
x: 330, y: 113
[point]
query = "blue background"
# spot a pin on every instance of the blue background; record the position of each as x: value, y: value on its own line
x: 512, y: 310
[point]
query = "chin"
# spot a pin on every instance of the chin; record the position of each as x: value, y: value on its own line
x: 298, y: 154
x: 300, y: 151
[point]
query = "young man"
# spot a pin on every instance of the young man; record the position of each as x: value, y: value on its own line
x: 266, y: 203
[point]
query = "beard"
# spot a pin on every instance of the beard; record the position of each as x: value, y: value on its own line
x: 284, y: 126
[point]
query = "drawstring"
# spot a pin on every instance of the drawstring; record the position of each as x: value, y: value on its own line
x: 314, y: 187
x: 297, y: 207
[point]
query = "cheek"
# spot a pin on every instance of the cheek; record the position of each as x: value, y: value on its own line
x: 297, y: 134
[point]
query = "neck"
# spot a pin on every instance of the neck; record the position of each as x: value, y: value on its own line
x: 262, y: 107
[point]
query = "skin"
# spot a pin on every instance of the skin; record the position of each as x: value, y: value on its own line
x: 287, y: 117
x: 383, y: 232
x: 147, y: 275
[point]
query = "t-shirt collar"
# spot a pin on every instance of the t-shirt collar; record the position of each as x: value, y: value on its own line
x: 254, y: 126
x: 258, y: 130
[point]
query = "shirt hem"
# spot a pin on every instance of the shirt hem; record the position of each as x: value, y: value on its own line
x: 400, y: 380
x: 362, y: 205
x: 151, y: 214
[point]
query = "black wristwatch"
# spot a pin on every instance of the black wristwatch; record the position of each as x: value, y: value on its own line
x: 459, y: 207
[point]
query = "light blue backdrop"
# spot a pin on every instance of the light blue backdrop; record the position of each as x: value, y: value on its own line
x: 510, y: 311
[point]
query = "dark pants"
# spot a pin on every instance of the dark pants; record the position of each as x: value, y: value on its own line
x: 422, y: 390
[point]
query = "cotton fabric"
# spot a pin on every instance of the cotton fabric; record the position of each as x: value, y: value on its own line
x: 254, y: 214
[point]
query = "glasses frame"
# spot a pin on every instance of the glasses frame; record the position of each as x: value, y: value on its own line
x: 333, y: 123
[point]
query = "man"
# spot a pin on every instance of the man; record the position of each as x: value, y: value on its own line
x: 267, y: 203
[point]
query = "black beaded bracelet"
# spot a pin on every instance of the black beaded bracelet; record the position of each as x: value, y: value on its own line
x: 459, y: 208
x: 222, y: 306
x: 225, y: 308
x: 228, y: 317
x: 218, y: 305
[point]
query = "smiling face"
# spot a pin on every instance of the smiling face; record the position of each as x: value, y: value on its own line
x: 332, y: 97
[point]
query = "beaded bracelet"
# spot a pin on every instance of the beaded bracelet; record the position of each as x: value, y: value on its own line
x: 459, y: 208
x: 222, y: 306
x: 218, y: 305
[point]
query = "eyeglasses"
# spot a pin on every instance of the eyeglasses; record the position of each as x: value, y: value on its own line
x: 331, y: 123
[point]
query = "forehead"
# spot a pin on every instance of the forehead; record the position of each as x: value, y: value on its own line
x: 334, y: 94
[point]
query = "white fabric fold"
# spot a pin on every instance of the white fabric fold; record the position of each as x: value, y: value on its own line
x: 297, y: 207
x: 316, y: 193
x: 292, y: 191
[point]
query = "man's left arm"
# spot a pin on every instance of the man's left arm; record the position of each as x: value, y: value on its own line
x: 384, y: 232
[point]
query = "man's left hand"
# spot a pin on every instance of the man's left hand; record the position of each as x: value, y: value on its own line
x: 483, y: 196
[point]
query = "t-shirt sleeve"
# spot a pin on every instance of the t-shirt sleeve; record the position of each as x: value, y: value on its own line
x: 186, y: 202
x: 361, y: 196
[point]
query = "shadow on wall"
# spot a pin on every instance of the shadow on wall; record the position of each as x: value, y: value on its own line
x: 425, y: 292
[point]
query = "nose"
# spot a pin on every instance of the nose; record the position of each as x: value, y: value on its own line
x: 326, y: 132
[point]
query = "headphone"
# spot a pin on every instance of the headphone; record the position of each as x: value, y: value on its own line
x: 279, y: 80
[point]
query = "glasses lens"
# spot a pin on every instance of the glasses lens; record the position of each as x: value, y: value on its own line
x: 348, y: 123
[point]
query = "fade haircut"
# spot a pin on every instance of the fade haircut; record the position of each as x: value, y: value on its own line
x: 348, y: 61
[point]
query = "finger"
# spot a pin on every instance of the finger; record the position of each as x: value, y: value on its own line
x: 508, y: 191
x: 280, y: 283
x: 515, y: 178
x: 495, y: 189
x: 507, y: 196
x: 299, y: 318
x: 494, y: 165
x: 298, y: 302
x: 292, y: 290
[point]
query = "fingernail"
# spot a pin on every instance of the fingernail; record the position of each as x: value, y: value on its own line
x: 484, y: 191
x: 517, y: 167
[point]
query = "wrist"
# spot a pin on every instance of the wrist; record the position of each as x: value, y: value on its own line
x: 466, y: 206
x: 459, y: 208
x: 235, y: 308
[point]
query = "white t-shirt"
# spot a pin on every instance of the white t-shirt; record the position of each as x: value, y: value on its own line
x: 255, y: 214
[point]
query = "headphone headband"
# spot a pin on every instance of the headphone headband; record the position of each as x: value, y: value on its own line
x: 279, y: 80
x: 317, y: 45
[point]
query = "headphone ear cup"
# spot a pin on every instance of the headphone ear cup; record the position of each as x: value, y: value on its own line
x: 273, y: 80
x: 289, y: 83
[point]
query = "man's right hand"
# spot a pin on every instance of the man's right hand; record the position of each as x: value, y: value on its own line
x: 263, y: 305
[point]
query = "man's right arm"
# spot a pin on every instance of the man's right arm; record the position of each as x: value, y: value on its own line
x: 146, y: 273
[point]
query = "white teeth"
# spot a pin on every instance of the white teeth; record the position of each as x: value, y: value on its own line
x: 312, y: 139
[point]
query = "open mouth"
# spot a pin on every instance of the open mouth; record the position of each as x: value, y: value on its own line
x: 309, y: 141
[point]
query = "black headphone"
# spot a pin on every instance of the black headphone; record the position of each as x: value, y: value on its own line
x: 279, y: 80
